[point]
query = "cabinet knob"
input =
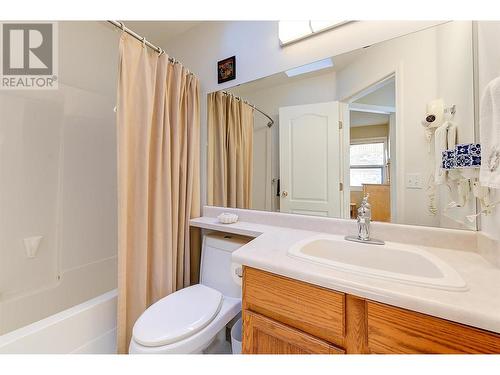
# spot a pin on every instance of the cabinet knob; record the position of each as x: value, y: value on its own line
x: 284, y: 193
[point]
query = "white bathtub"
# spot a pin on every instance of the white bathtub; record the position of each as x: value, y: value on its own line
x: 75, y: 315
x: 89, y: 327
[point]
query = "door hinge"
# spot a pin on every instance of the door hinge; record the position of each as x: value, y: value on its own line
x: 341, y: 125
x: 341, y: 186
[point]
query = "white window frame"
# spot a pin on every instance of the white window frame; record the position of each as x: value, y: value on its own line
x: 383, y: 166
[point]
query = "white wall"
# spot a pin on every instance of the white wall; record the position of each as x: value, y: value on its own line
x: 258, y: 54
x: 58, y: 167
x: 489, y: 68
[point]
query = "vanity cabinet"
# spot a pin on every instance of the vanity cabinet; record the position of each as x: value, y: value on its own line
x: 286, y: 316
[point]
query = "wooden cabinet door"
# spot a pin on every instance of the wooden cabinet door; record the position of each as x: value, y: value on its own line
x: 305, y: 307
x: 262, y: 335
x: 393, y: 330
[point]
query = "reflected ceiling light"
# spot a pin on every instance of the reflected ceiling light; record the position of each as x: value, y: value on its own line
x: 317, y: 65
x: 291, y: 31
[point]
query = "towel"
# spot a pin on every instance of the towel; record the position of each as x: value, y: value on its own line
x: 489, y: 130
x: 440, y: 142
x: 451, y: 138
x: 445, y: 138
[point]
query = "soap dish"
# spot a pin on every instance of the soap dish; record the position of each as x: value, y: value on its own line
x: 227, y: 218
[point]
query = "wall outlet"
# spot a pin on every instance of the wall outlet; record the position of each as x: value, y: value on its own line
x: 414, y: 181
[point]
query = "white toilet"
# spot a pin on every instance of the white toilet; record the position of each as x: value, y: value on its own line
x: 188, y: 320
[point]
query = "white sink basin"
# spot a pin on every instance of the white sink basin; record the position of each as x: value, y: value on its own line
x: 399, y: 262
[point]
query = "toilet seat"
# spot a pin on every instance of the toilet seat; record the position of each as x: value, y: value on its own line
x: 177, y: 316
x: 196, y: 343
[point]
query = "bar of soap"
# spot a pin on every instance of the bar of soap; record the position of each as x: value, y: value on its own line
x: 227, y: 218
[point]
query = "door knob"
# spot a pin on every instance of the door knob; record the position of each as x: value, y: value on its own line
x: 284, y: 194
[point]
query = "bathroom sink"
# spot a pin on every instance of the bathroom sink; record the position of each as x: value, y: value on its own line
x: 398, y: 262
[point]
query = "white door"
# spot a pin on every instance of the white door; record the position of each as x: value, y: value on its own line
x: 310, y: 159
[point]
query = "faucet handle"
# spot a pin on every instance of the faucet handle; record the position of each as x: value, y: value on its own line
x: 365, y: 198
x: 364, y: 209
x: 364, y: 202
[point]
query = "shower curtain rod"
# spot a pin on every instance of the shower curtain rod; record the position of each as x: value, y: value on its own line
x: 132, y: 33
x: 271, y: 121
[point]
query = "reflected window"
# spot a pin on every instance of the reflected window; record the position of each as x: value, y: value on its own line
x: 367, y: 162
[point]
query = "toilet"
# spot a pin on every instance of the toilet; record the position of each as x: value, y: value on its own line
x: 188, y: 320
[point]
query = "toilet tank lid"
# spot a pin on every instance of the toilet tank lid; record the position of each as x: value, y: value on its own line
x: 225, y: 241
x: 177, y: 316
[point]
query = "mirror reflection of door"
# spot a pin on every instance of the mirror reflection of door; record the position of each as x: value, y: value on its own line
x: 310, y: 159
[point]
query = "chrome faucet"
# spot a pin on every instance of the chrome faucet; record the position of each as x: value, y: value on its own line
x: 364, y: 219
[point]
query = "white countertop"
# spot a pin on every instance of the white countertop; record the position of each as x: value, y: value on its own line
x: 479, y: 306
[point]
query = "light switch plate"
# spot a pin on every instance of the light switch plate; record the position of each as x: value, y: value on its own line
x: 414, y: 181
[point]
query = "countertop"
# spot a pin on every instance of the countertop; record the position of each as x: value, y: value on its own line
x: 479, y: 306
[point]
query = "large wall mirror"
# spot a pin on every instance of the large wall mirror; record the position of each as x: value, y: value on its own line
x: 315, y: 139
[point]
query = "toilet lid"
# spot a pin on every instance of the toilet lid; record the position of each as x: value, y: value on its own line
x: 177, y: 316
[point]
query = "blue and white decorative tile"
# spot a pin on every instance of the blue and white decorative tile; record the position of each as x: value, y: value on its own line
x: 475, y: 149
x: 468, y: 155
x: 462, y: 149
x: 463, y: 161
x: 448, y: 159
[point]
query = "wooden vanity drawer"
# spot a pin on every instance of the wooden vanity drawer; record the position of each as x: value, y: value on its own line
x: 309, y: 308
x: 394, y: 330
x: 267, y: 336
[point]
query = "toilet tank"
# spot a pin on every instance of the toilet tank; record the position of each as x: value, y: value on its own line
x: 215, y: 271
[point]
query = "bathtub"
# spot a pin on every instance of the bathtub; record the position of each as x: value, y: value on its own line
x: 89, y: 327
x: 75, y: 315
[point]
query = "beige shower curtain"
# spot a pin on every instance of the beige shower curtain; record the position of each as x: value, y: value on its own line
x: 230, y: 151
x: 158, y: 179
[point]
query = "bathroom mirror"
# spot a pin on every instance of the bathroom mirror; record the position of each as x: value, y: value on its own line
x: 315, y: 139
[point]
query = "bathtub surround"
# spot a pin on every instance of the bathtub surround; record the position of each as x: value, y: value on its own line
x: 230, y: 151
x: 158, y: 185
x: 58, y: 180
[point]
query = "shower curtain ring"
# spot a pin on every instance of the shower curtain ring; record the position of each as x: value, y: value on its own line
x: 144, y: 42
x: 122, y: 25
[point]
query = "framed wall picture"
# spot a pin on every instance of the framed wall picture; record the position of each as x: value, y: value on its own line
x: 226, y: 69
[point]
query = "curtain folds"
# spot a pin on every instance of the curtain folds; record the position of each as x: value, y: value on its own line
x: 158, y: 179
x: 230, y: 151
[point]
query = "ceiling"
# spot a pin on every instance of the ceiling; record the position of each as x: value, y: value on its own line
x: 367, y: 119
x: 339, y: 62
x: 384, y: 95
x: 160, y: 32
